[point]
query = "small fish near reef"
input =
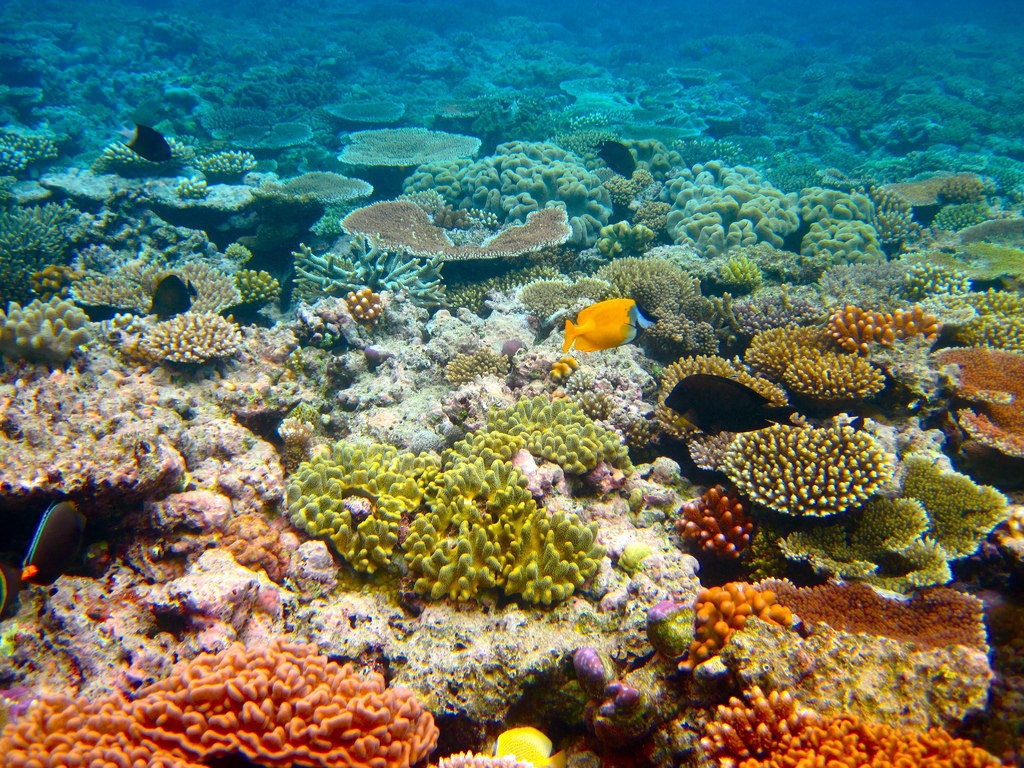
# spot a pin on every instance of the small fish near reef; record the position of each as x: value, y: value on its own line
x: 529, y: 745
x: 618, y: 157
x: 604, y: 325
x: 149, y: 144
x: 172, y: 296
x: 714, y: 404
x: 54, y: 547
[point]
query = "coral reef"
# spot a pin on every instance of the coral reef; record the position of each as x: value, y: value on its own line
x: 43, y: 331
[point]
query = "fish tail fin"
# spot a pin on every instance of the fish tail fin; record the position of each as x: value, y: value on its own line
x: 571, y: 332
x: 779, y: 414
x: 642, y: 321
x: 557, y: 760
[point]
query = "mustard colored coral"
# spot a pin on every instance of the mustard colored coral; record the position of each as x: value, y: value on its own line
x: 808, y: 471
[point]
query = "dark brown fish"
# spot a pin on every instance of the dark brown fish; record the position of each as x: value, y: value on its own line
x: 150, y: 145
x: 10, y: 585
x: 717, y: 404
x: 618, y: 157
x: 171, y: 297
x: 58, y: 537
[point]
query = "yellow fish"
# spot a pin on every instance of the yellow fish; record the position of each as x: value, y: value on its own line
x: 604, y: 325
x: 529, y: 745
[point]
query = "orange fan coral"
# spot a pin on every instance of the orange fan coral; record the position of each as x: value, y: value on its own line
x: 279, y: 706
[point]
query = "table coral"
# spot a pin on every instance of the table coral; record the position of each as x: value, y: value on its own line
x: 808, y: 471
x: 993, y: 381
x: 283, y: 705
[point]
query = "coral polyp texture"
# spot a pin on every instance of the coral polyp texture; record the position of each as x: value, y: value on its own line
x: 773, y: 731
x: 718, y: 522
x: 722, y: 610
x: 191, y: 338
x: 992, y: 381
x: 856, y: 330
x: 808, y: 471
x: 282, y: 705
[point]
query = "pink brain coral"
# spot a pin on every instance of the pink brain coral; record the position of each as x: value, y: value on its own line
x: 283, y: 705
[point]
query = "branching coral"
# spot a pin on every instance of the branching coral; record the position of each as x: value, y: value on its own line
x: 364, y: 262
x: 283, y: 705
x: 721, y: 610
x: 30, y: 239
x: 191, y: 337
x: 772, y: 731
x: 808, y: 471
x: 718, y: 522
x: 855, y: 330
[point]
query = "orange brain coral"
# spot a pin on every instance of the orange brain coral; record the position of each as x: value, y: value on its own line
x: 283, y: 705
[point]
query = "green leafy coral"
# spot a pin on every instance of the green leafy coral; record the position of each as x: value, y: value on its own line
x: 472, y: 523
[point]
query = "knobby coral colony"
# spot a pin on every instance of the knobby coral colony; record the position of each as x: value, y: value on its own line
x: 343, y: 508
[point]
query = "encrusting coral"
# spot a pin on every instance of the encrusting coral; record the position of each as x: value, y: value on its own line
x: 283, y: 705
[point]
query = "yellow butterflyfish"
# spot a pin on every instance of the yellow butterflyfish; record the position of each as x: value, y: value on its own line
x: 604, y: 325
x: 529, y: 745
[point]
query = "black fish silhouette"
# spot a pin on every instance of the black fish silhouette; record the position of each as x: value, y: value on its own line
x: 618, y: 157
x: 172, y: 296
x: 718, y: 404
x: 10, y: 584
x: 58, y: 537
x: 150, y: 144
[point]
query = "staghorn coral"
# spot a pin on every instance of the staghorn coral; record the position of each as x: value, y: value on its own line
x: 855, y: 329
x: 365, y: 306
x: 721, y: 610
x: 364, y: 262
x: 961, y: 513
x: 544, y: 298
x: 191, y: 188
x: 773, y: 732
x: 892, y: 218
x: 484, y: 362
x: 807, y: 471
x: 283, y: 705
x: 992, y: 380
x: 30, y: 240
x: 716, y: 207
x: 830, y: 377
x: 925, y: 280
x: 43, y: 331
x: 964, y: 188
x: 772, y: 351
x: 884, y: 544
x: 719, y: 522
x: 191, y: 338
